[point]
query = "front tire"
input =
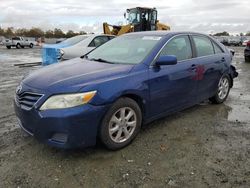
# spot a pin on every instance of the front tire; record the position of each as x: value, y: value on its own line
x: 222, y: 90
x: 121, y: 124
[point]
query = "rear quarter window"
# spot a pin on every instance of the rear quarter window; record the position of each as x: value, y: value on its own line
x: 217, y: 49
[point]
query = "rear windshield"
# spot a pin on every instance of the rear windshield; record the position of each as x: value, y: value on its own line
x: 16, y: 38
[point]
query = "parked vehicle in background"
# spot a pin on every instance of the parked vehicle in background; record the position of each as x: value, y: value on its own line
x: 51, y: 52
x: 133, y: 79
x: 19, y: 42
x: 72, y: 47
x: 234, y: 41
x: 223, y: 40
x: 245, y: 42
x: 247, y: 52
x: 85, y: 46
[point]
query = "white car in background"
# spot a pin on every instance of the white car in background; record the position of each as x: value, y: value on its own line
x: 83, y: 47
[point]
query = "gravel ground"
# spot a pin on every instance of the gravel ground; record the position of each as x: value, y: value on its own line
x: 204, y: 146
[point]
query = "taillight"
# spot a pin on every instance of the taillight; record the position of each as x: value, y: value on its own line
x: 248, y: 43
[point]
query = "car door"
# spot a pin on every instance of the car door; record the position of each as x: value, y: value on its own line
x: 209, y: 67
x: 172, y: 87
x: 26, y: 42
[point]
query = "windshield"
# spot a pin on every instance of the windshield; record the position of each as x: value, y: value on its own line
x: 74, y: 40
x: 125, y: 49
x: 134, y: 16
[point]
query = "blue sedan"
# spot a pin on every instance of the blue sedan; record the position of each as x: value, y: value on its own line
x: 125, y: 83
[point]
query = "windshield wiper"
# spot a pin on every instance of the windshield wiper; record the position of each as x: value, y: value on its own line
x: 84, y: 56
x: 101, y: 60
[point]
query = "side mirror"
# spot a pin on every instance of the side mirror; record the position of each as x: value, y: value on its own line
x: 166, y: 60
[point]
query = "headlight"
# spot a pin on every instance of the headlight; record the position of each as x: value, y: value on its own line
x: 67, y: 100
x: 61, y: 52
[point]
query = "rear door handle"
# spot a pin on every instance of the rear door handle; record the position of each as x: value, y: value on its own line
x: 223, y: 59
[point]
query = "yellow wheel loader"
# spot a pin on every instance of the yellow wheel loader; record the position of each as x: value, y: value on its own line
x: 139, y: 19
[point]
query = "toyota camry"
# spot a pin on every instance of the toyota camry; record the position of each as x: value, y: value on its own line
x: 129, y: 81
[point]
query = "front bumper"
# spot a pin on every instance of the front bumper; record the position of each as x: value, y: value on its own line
x: 65, y: 128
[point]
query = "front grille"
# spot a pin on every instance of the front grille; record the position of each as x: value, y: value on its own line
x: 27, y: 100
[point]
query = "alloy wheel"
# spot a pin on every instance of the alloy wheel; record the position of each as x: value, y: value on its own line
x: 223, y: 88
x: 122, y: 124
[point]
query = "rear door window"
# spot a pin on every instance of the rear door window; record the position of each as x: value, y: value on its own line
x: 180, y: 47
x: 203, y: 46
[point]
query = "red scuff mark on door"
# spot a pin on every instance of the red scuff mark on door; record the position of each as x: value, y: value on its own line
x: 199, y: 72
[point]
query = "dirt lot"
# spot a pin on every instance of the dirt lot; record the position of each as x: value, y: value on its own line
x: 205, y: 146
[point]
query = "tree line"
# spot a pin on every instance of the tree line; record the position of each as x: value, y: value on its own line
x: 58, y: 33
x: 225, y: 33
x: 37, y: 32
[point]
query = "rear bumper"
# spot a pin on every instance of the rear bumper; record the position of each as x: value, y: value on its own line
x: 247, y: 52
x: 233, y: 72
x: 68, y: 128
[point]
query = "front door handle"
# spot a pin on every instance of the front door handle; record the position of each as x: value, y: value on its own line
x: 223, y: 59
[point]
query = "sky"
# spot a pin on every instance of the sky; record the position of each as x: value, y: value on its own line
x: 207, y: 16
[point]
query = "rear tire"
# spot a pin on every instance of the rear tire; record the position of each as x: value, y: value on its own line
x: 18, y: 46
x: 8, y: 47
x: 121, y: 124
x: 31, y: 45
x: 222, y: 90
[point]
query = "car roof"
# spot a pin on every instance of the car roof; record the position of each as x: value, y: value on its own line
x: 162, y: 33
x: 96, y: 35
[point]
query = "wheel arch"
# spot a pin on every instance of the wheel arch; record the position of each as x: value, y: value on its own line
x: 138, y: 99
x: 231, y: 80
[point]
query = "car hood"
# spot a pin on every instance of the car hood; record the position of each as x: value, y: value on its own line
x: 72, y: 75
x: 56, y: 46
x: 75, y: 51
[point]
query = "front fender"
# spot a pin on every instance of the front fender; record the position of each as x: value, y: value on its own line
x: 110, y: 90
